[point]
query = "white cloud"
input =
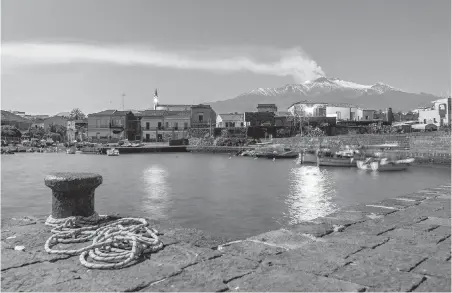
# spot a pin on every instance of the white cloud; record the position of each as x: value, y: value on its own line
x: 290, y: 62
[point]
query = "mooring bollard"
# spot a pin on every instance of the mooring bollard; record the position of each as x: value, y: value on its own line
x: 72, y: 193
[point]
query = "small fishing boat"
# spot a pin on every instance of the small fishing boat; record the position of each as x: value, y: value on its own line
x: 337, y: 159
x: 112, y: 152
x: 276, y: 152
x: 71, y: 151
x: 384, y: 164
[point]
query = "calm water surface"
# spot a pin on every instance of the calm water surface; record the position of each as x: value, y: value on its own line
x: 235, y: 197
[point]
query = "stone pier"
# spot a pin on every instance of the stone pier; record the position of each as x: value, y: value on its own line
x: 398, y: 244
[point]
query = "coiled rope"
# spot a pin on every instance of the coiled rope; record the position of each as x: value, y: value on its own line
x: 115, y: 244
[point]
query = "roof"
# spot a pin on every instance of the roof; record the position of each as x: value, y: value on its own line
x: 266, y: 105
x: 162, y: 113
x: 103, y: 113
x: 346, y: 105
x: 231, y: 117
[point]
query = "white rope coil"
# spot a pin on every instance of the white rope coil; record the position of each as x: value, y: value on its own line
x: 114, y: 245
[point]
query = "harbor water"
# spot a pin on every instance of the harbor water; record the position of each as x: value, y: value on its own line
x: 235, y: 197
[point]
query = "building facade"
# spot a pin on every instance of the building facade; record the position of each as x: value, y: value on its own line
x: 202, y: 116
x: 114, y: 125
x: 162, y: 125
x: 438, y: 114
x: 230, y: 120
x: 267, y: 108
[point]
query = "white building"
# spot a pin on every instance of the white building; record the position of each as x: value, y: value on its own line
x: 438, y: 113
x: 230, y: 120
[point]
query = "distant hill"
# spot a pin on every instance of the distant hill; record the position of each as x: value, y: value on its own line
x: 328, y: 90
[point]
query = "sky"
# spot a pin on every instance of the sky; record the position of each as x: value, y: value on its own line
x: 60, y: 54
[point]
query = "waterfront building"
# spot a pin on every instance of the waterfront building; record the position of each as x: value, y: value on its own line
x: 201, y: 116
x: 267, y: 108
x: 342, y: 112
x: 73, y: 129
x: 438, y: 113
x: 113, y: 125
x: 230, y: 120
x: 163, y: 125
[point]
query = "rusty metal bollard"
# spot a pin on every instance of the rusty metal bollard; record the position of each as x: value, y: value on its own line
x: 72, y: 193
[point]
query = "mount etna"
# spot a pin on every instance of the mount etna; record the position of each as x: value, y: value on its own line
x: 328, y: 90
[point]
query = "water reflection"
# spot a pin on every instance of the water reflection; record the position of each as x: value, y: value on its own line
x: 157, y: 190
x: 310, y: 194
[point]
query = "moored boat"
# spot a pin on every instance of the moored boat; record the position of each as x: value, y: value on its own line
x: 276, y: 152
x: 384, y: 164
x: 71, y: 151
x: 112, y: 152
x: 343, y: 158
x: 309, y: 157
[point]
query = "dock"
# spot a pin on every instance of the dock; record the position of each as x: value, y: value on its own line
x: 398, y: 244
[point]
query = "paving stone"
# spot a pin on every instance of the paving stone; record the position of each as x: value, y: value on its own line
x: 364, y: 241
x: 434, y: 267
x: 395, y: 203
x: 286, y: 279
x: 432, y: 284
x: 255, y: 251
x: 394, y: 260
x: 314, y: 228
x: 344, y: 218
x: 436, y: 221
x: 210, y: 276
x: 420, y: 237
x: 376, y: 227
x: 370, y: 209
x: 194, y: 237
x: 379, y: 278
x: 283, y: 238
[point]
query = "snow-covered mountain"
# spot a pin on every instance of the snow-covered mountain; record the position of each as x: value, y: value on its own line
x: 329, y: 90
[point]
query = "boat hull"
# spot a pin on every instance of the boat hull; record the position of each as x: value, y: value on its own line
x: 376, y: 166
x: 308, y: 158
x: 290, y: 155
x: 336, y: 162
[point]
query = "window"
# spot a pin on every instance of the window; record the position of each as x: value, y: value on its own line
x: 176, y: 125
x: 98, y: 123
x: 434, y: 120
x: 148, y: 136
x: 338, y: 115
x: 166, y: 125
x: 201, y: 117
x: 159, y: 125
x: 425, y: 121
x: 185, y: 125
x: 147, y: 125
x: 241, y: 124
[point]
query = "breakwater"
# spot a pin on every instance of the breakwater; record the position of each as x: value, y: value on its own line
x: 399, y: 244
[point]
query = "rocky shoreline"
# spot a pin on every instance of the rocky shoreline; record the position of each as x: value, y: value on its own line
x: 398, y: 244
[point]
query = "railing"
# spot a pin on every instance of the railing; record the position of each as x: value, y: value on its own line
x: 163, y: 128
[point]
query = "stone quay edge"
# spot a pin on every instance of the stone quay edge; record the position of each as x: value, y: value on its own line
x: 398, y: 244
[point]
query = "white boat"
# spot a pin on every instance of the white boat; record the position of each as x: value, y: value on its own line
x: 384, y: 165
x: 112, y: 152
x: 71, y: 151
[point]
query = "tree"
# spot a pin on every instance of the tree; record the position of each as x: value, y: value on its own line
x: 77, y: 114
x: 36, y: 132
x: 54, y: 128
x: 10, y: 131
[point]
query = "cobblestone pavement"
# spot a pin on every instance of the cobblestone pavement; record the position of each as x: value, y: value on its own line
x: 398, y: 244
